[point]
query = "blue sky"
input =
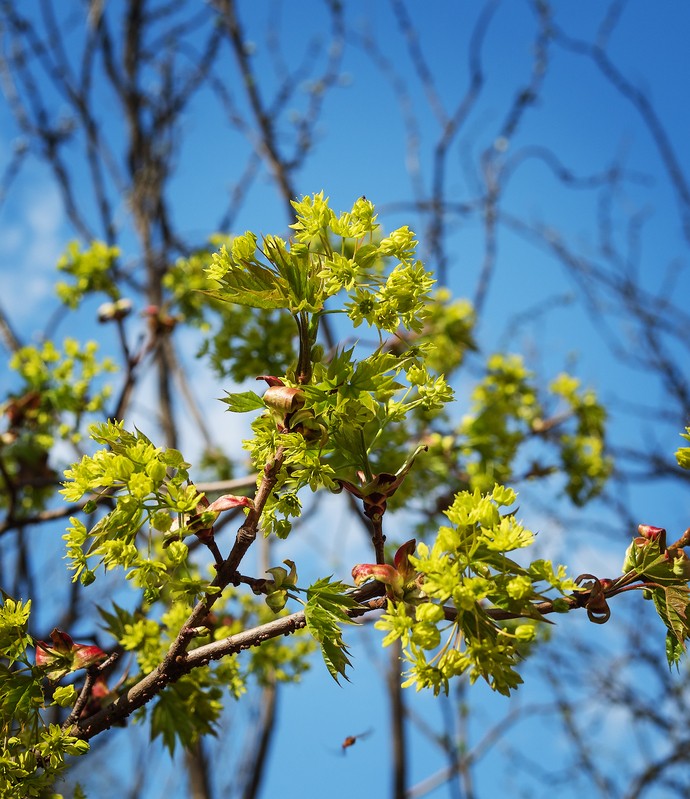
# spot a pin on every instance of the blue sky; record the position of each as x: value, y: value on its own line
x: 579, y: 118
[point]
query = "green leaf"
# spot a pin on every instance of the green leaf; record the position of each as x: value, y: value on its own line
x: 253, y: 285
x: 20, y: 696
x: 674, y: 650
x: 325, y: 612
x: 351, y: 447
x: 117, y: 622
x: 281, y: 576
x: 371, y: 373
x: 276, y: 600
x: 243, y: 401
x: 184, y: 712
x: 325, y: 629
x: 672, y: 603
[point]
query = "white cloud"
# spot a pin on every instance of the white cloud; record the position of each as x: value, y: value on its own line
x: 30, y: 248
x: 44, y: 213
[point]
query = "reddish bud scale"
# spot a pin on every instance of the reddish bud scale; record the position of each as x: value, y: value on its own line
x: 64, y: 656
x: 272, y: 381
x: 651, y: 533
x: 395, y: 577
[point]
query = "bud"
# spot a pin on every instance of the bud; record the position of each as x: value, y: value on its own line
x: 160, y: 322
x: 113, y: 311
x: 276, y: 600
x: 84, y: 656
x: 281, y: 577
x: 63, y: 656
x: 383, y: 572
x: 106, y: 312
x: 401, y: 559
x: 284, y: 399
x: 61, y: 642
x: 525, y: 632
x: 228, y: 501
x: 651, y: 533
x: 99, y: 698
x: 271, y: 380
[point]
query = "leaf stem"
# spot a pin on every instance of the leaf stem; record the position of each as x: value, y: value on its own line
x: 305, y: 344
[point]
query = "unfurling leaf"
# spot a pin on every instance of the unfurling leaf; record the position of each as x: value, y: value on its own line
x: 325, y: 612
x: 63, y: 656
x: 243, y: 402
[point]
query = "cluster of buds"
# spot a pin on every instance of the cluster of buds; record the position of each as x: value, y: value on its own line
x: 114, y: 311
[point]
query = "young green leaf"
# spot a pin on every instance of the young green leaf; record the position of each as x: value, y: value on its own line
x: 243, y: 402
x: 325, y: 612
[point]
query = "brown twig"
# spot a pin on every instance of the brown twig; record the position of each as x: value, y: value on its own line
x: 172, y: 668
